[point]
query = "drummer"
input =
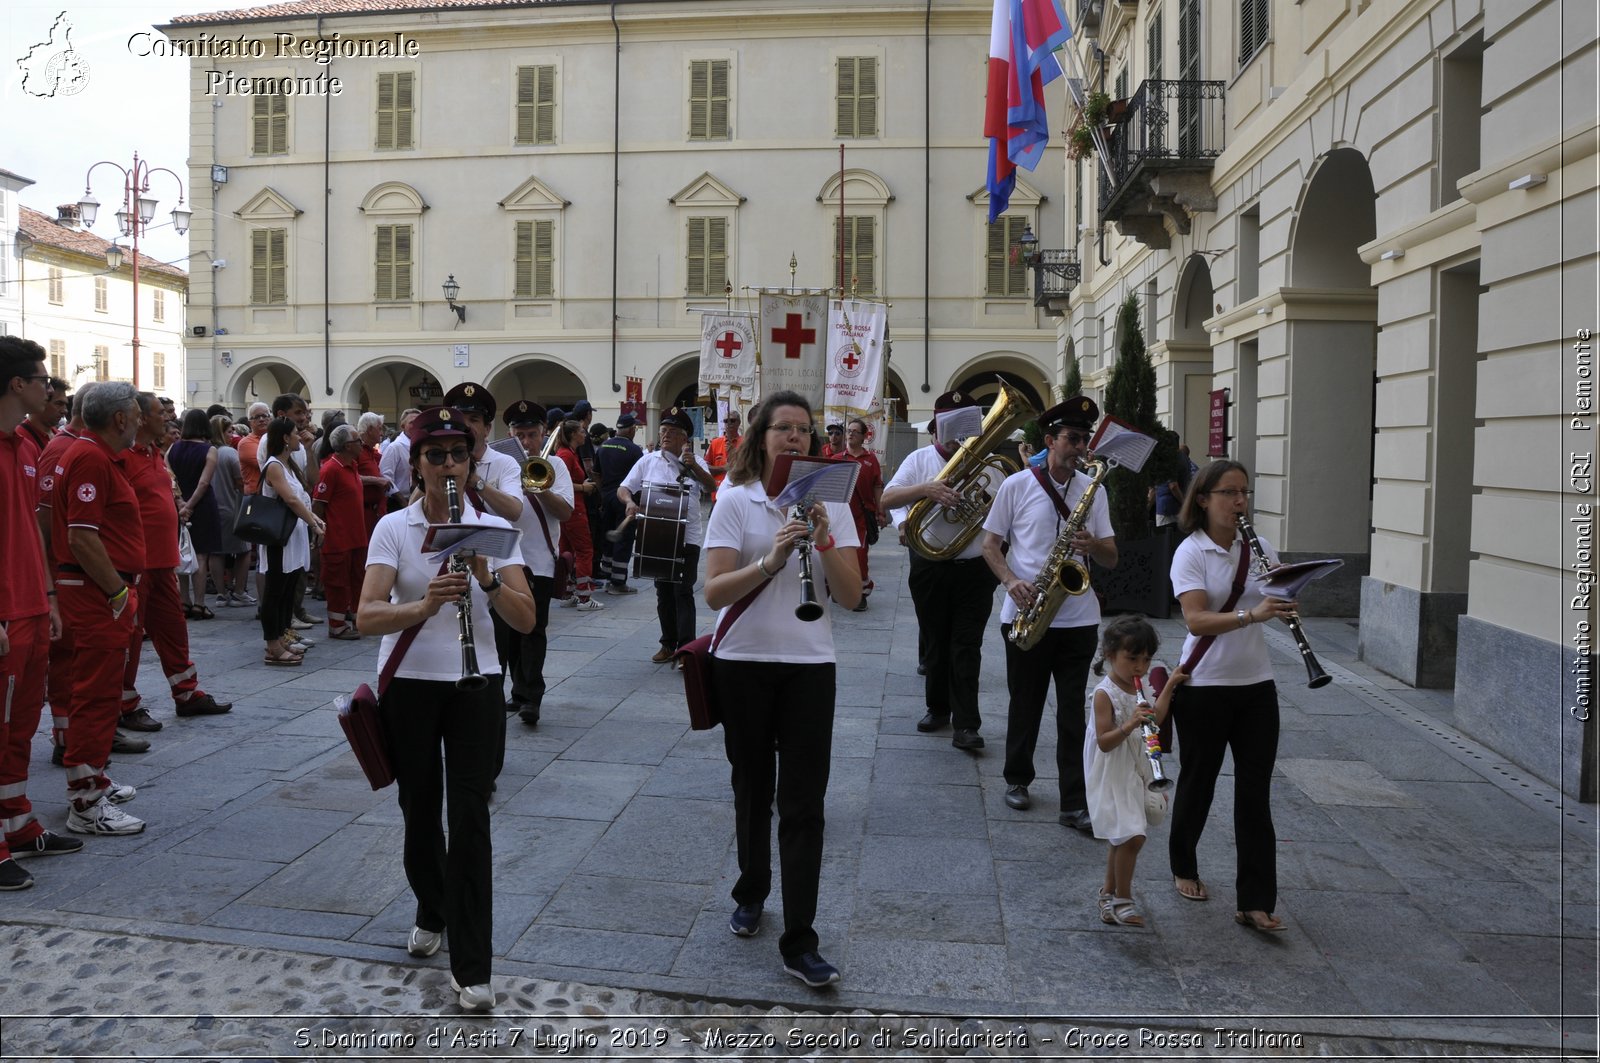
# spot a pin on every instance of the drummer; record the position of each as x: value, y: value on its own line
x: 672, y: 463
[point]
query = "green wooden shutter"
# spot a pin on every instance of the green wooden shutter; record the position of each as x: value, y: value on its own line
x: 1002, y: 276
x: 383, y: 284
x: 277, y: 266
x: 699, y: 93
x: 385, y: 111
x: 717, y: 122
x: 716, y: 255
x: 1154, y: 42
x: 524, y: 260
x: 261, y: 125
x: 395, y: 110
x: 867, y: 96
x: 544, y: 259
x: 403, y: 110
x: 544, y: 130
x: 866, y: 255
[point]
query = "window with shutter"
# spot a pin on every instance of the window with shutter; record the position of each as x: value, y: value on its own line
x: 1155, y: 40
x: 102, y: 363
x: 535, y: 265
x: 706, y: 256
x: 269, y: 124
x: 857, y: 244
x: 393, y: 263
x: 158, y: 360
x: 1252, y: 28
x: 536, y: 105
x: 57, y: 294
x: 158, y: 299
x: 269, y: 266
x: 58, y: 358
x: 395, y: 110
x: 100, y: 298
x: 856, y: 96
x: 1005, y: 276
x: 708, y: 99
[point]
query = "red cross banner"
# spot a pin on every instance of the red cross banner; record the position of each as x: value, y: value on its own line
x: 727, y: 348
x: 855, y: 360
x: 793, y: 334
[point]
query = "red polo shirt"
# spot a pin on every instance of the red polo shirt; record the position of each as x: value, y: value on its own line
x: 339, y: 488
x: 148, y: 475
x: 94, y: 494
x: 22, y: 561
x: 50, y: 465
x: 374, y: 496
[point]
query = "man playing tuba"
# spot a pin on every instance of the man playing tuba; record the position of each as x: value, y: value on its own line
x: 1029, y: 512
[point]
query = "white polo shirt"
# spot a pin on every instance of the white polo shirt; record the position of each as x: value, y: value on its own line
x: 920, y: 466
x: 768, y: 630
x: 1239, y: 657
x: 1024, y: 516
x: 436, y: 651
x: 656, y: 467
x: 535, y: 550
x: 503, y: 473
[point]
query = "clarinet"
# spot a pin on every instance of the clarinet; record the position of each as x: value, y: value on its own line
x: 1315, y: 676
x: 809, y: 608
x: 471, y: 678
x: 1152, y: 745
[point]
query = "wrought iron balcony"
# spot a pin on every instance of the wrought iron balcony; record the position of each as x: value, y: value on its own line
x: 1056, y: 271
x: 1089, y: 12
x: 1159, y: 159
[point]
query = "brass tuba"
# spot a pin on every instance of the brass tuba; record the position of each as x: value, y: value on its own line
x: 938, y: 532
x: 537, y: 472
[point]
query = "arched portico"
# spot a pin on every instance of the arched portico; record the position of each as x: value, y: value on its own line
x: 389, y: 385
x: 262, y: 381
x: 977, y: 378
x: 1183, y: 360
x: 538, y: 378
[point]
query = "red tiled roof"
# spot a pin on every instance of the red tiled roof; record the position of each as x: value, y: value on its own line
x: 304, y: 8
x: 43, y: 229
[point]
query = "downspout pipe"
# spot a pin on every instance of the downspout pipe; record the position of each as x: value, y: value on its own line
x: 327, y: 237
x: 927, y: 195
x: 616, y: 183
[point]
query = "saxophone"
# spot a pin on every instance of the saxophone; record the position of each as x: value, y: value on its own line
x: 1062, y: 575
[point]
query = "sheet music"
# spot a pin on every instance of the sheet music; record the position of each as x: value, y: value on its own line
x: 447, y: 540
x: 511, y: 448
x: 1121, y: 444
x: 1287, y: 581
x: 822, y: 479
x: 955, y: 425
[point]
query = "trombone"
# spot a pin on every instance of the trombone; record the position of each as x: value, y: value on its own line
x: 537, y: 472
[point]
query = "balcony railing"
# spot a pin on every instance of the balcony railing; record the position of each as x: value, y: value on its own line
x: 1171, y: 126
x: 1056, y: 271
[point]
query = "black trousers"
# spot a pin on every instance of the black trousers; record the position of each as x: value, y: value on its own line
x: 1211, y: 721
x: 620, y: 552
x: 277, y: 598
x: 522, y: 656
x: 675, y: 603
x: 454, y: 883
x: 953, y: 600
x: 1062, y: 655
x: 778, y: 744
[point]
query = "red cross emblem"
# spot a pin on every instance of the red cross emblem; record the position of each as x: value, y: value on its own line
x: 728, y: 346
x: 792, y: 337
x: 851, y: 359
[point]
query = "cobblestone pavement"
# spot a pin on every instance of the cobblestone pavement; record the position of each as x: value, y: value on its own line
x: 1440, y: 901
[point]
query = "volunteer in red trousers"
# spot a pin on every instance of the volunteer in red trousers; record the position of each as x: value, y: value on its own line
x: 160, y: 612
x: 29, y: 618
x: 375, y: 486
x: 97, y: 547
x: 338, y: 501
x: 58, y: 686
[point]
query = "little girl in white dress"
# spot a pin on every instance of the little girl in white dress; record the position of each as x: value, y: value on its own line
x: 1115, y: 768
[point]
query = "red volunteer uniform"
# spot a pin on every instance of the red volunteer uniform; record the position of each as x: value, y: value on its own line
x: 91, y: 492
x: 58, y: 687
x: 25, y: 615
x: 374, y: 498
x: 344, y: 545
x: 160, y: 604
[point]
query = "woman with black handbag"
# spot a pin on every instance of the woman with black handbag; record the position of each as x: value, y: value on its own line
x: 779, y: 742
x: 284, y: 562
x: 423, y: 707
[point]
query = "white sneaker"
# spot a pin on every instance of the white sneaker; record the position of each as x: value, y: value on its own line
x: 119, y: 794
x: 423, y: 942
x: 570, y: 602
x: 102, y: 817
x: 593, y: 605
x: 474, y: 997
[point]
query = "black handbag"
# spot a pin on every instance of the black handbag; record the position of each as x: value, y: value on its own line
x: 264, y: 521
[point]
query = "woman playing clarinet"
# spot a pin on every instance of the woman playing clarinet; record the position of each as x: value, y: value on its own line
x: 774, y: 673
x: 1230, y: 701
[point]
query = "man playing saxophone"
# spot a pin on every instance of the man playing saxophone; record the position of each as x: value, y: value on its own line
x: 1030, y: 511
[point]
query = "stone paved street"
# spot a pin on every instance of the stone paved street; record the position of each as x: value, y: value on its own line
x: 1439, y: 900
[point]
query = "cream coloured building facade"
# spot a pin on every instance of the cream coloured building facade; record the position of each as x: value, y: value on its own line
x: 1376, y: 227
x: 488, y: 151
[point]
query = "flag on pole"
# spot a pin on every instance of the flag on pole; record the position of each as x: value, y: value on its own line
x: 855, y: 361
x: 792, y: 333
x: 727, y: 347
x: 1023, y: 35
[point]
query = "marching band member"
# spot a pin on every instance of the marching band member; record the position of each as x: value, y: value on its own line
x: 1028, y: 512
x: 97, y: 546
x: 496, y: 484
x: 423, y: 710
x: 673, y: 462
x: 953, y: 599
x: 540, y: 523
x: 29, y: 617
x: 866, y: 506
x: 779, y: 742
x: 615, y: 458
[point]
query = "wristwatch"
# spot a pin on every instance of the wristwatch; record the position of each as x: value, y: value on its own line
x: 479, y: 484
x: 494, y: 584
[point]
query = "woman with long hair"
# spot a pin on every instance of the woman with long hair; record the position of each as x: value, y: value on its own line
x: 1230, y: 701
x: 194, y: 464
x: 575, y: 529
x: 230, y: 565
x: 282, y: 565
x: 779, y: 742
x: 424, y: 711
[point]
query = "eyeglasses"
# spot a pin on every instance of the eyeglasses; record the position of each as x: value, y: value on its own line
x: 43, y: 379
x: 785, y: 429
x: 459, y: 455
x: 261, y: 416
x: 856, y: 432
x: 1232, y: 493
x: 1077, y: 439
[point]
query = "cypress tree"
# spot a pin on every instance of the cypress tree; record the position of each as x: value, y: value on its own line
x: 1131, y: 397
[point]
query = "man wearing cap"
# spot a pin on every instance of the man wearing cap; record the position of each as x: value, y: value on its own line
x: 673, y: 462
x: 953, y: 598
x: 497, y: 485
x: 1029, y: 511
x: 338, y: 500
x: 540, y: 525
x: 160, y: 609
x: 616, y: 457
x: 722, y: 448
x: 835, y: 444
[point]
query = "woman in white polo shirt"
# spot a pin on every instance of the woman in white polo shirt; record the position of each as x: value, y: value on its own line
x: 1230, y: 701
x: 774, y: 675
x: 423, y: 709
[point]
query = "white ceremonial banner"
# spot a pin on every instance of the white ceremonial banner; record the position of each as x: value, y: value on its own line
x: 727, y: 348
x: 855, y: 361
x: 793, y: 334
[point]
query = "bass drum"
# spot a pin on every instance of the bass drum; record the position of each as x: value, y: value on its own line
x: 663, y: 520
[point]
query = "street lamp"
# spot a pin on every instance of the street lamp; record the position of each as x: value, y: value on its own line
x: 451, y: 290
x: 1061, y: 264
x: 138, y: 208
